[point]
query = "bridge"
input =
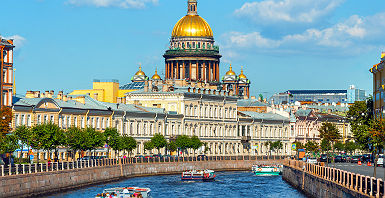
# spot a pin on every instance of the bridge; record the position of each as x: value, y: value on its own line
x: 40, y: 179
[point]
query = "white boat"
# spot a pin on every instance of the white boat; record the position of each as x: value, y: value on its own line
x: 198, y: 175
x: 125, y: 193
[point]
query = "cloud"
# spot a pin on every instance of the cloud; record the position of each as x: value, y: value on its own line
x: 135, y: 4
x: 352, y: 36
x: 18, y: 40
x: 287, y: 11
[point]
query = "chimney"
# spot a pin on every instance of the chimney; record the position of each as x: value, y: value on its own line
x: 29, y: 94
x: 37, y: 94
x: 96, y: 96
x: 146, y: 86
x: 60, y: 95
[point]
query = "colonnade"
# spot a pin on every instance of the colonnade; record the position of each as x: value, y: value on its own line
x: 205, y: 70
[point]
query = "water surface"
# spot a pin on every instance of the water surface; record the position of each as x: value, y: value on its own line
x: 227, y: 184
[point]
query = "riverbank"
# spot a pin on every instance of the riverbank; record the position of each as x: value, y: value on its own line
x: 36, y: 184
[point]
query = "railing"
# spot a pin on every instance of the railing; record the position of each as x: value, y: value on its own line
x: 366, y: 185
x: 19, y: 169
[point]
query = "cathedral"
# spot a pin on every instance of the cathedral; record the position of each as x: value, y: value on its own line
x: 193, y: 59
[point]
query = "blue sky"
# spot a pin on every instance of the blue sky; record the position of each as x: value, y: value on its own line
x: 282, y: 44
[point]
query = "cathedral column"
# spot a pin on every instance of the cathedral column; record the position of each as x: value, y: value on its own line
x: 217, y: 70
x: 197, y: 70
x: 204, y: 71
x: 190, y: 73
x: 183, y: 71
x: 177, y: 70
x: 172, y: 69
x: 214, y: 72
x: 209, y: 77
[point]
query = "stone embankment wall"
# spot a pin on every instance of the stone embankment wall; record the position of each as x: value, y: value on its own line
x: 32, y: 185
x: 324, y: 182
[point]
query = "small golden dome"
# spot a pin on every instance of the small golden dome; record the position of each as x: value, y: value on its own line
x: 230, y: 72
x: 192, y: 25
x: 156, y: 76
x: 140, y: 72
x: 242, y: 75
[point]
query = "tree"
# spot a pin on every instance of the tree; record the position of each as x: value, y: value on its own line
x: 360, y: 115
x: 94, y: 139
x: 148, y: 146
x: 171, y: 146
x: 159, y: 141
x: 75, y: 139
x: 5, y: 120
x: 129, y: 143
x: 183, y: 142
x: 377, y: 133
x: 350, y: 147
x: 195, y: 143
x: 110, y: 133
x: 268, y: 146
x: 339, y: 146
x: 116, y: 143
x: 276, y: 146
x: 50, y: 136
x: 329, y: 132
x: 325, y: 145
x: 9, y: 144
x: 23, y: 134
x: 312, y: 147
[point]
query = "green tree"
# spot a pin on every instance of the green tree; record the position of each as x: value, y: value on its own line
x: 312, y: 147
x: 268, y: 146
x: 350, y: 147
x: 94, y: 139
x: 183, y: 142
x: 50, y: 136
x: 329, y: 132
x: 5, y: 121
x: 325, y: 145
x: 148, y: 146
x: 377, y: 133
x: 117, y: 144
x: 360, y: 115
x: 195, y: 143
x: 23, y: 134
x: 9, y: 144
x: 172, y: 147
x: 110, y: 134
x: 75, y: 139
x: 276, y: 146
x: 339, y: 146
x: 129, y: 143
x: 159, y: 141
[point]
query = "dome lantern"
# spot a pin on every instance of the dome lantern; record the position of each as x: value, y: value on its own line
x: 156, y: 76
x: 192, y: 7
x: 230, y: 72
x: 242, y: 75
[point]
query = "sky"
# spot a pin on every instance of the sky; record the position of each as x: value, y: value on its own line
x: 281, y: 44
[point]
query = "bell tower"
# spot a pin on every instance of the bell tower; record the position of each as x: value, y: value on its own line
x: 192, y: 7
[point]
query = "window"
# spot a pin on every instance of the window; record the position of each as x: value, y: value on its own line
x: 29, y: 122
x: 22, y: 120
x: 83, y: 123
x: 52, y: 119
x: 69, y: 121
x: 93, y: 122
x: 65, y: 122
x: 103, y: 124
x: 97, y: 123
x: 108, y: 122
x: 45, y: 119
x: 39, y: 119
x: 76, y: 121
x: 17, y: 120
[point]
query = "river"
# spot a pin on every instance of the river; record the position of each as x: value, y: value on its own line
x: 227, y: 184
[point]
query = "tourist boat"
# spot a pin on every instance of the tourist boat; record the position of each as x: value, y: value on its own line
x: 198, y: 175
x: 267, y: 169
x: 125, y: 193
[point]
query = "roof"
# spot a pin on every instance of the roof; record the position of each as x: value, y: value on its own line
x: 6, y: 42
x: 133, y: 85
x: 251, y: 103
x: 303, y: 113
x: 265, y: 116
x: 318, y: 91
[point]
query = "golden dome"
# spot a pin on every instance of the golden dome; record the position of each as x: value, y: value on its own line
x: 230, y: 72
x: 140, y: 72
x: 242, y: 75
x: 192, y: 25
x: 156, y: 76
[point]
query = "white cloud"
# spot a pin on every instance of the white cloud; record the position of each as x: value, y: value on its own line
x: 287, y: 11
x: 136, y: 4
x: 18, y: 40
x: 354, y: 35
